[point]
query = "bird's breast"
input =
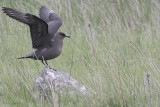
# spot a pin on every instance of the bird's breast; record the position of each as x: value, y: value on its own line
x: 52, y: 52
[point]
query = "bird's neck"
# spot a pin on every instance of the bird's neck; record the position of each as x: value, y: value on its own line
x: 59, y: 44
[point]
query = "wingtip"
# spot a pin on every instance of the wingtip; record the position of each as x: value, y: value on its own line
x: 42, y: 7
x: 7, y: 11
x: 4, y: 8
x: 45, y: 8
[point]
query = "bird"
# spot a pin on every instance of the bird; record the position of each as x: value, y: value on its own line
x: 46, y: 40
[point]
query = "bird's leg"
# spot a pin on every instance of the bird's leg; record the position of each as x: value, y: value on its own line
x: 47, y: 64
x: 44, y: 63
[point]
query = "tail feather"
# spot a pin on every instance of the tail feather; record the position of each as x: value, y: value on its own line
x: 27, y: 56
x: 21, y: 57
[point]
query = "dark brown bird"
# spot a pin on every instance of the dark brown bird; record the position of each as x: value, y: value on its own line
x: 45, y: 38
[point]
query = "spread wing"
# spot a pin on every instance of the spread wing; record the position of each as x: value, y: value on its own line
x: 38, y: 28
x: 51, y: 18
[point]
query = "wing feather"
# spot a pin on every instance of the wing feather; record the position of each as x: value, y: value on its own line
x: 51, y: 18
x: 38, y: 28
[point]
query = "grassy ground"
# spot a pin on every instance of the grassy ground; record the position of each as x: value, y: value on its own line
x: 117, y: 57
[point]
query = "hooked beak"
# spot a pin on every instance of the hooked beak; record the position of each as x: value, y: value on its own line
x: 68, y: 36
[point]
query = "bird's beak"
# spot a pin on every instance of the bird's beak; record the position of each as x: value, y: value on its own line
x: 68, y: 36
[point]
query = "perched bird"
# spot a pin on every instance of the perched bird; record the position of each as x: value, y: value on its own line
x: 45, y: 38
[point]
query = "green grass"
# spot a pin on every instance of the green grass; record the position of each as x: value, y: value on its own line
x: 112, y: 57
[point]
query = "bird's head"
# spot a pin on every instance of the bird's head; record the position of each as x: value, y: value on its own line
x: 61, y: 35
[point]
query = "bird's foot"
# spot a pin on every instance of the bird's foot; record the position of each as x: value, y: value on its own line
x: 50, y: 68
x: 54, y: 69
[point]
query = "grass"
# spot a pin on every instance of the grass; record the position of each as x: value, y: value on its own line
x: 117, y: 56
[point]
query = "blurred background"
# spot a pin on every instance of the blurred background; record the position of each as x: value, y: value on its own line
x: 114, y: 50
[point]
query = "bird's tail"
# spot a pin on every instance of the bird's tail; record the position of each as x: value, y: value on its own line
x: 27, y: 56
x: 21, y: 57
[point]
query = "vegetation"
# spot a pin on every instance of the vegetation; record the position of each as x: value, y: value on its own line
x: 113, y: 49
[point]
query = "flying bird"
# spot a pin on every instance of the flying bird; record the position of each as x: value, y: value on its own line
x: 45, y: 38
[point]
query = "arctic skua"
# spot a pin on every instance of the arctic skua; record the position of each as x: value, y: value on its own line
x: 45, y: 38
